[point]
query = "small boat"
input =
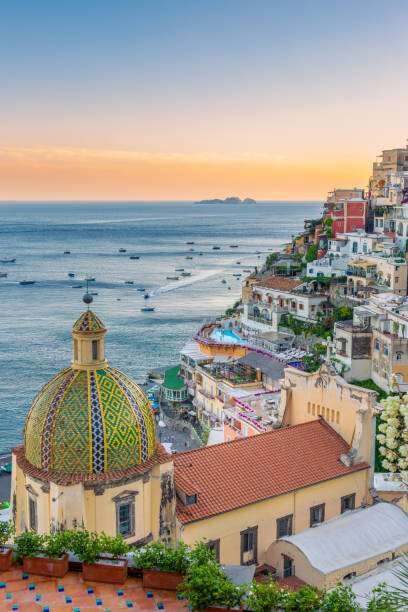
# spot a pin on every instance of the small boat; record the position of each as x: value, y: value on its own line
x: 247, y: 270
x: 190, y: 242
x: 3, y: 274
x: 90, y: 279
x: 27, y: 282
x: 67, y: 252
x: 215, y: 248
x: 122, y: 250
x: 71, y: 274
x: 189, y: 257
x: 224, y: 281
x: 77, y: 286
x: 186, y: 274
x: 229, y: 288
x: 146, y: 296
x: 94, y: 293
x: 147, y: 309
x: 179, y: 269
x: 233, y: 246
x: 191, y: 249
x: 237, y: 274
x: 8, y: 260
x: 173, y: 277
x: 238, y: 263
x: 141, y: 289
x: 200, y: 253
x: 257, y: 252
x: 134, y: 257
x: 128, y: 282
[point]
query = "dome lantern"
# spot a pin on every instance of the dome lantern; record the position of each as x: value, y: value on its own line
x: 89, y: 341
x: 90, y: 418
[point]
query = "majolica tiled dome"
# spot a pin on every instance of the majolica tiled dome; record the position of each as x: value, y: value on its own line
x: 89, y: 419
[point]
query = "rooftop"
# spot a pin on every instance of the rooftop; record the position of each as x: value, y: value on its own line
x: 278, y: 282
x: 88, y: 322
x: 171, y: 379
x: 298, y: 456
x: 353, y: 537
x: 268, y: 365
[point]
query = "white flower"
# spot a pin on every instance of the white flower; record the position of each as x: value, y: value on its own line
x: 403, y: 450
x: 391, y: 443
x: 381, y: 438
x: 402, y: 463
x: 391, y: 432
x: 386, y: 464
x: 392, y: 468
x: 382, y: 450
x: 393, y: 422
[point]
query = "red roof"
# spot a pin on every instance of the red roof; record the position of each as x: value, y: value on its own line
x: 248, y: 470
x: 279, y: 282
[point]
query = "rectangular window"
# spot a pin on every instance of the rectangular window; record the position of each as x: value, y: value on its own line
x: 317, y: 514
x: 348, y: 502
x: 249, y: 546
x: 124, y: 519
x: 75, y: 349
x: 32, y: 510
x: 284, y: 526
x: 125, y: 516
x: 95, y: 350
x: 214, y: 545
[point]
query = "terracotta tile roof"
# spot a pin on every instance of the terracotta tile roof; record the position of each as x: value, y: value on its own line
x: 245, y: 471
x: 64, y: 478
x: 278, y: 282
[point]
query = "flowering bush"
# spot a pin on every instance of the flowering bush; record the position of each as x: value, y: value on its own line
x: 393, y: 436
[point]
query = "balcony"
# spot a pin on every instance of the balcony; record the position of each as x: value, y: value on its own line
x: 260, y: 320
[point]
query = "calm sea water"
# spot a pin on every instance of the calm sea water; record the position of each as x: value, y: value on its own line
x: 36, y: 320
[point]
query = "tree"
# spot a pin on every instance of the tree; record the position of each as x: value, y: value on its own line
x: 311, y: 255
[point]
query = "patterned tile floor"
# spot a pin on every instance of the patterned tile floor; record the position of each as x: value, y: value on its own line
x: 29, y: 593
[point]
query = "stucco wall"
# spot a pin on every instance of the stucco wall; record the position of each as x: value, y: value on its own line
x: 227, y: 526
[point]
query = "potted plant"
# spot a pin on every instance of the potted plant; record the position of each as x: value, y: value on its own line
x: 45, y: 555
x: 6, y: 531
x: 96, y: 566
x: 164, y: 566
x: 207, y: 587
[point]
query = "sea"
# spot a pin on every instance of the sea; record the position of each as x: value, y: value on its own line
x: 36, y: 320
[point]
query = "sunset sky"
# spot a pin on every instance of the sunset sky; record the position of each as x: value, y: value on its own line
x: 171, y: 99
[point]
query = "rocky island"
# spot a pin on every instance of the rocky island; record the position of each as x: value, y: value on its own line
x: 230, y: 200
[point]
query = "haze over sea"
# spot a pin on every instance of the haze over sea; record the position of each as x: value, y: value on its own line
x: 36, y: 320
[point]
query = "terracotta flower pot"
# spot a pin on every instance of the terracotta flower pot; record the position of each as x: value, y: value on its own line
x: 46, y: 566
x: 6, y: 558
x: 106, y: 571
x: 160, y: 579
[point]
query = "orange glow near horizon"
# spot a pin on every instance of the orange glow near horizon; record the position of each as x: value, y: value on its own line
x: 82, y: 174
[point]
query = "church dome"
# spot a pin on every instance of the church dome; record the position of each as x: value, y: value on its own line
x: 90, y: 418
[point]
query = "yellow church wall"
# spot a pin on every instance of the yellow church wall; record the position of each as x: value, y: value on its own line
x: 227, y: 526
x: 348, y: 409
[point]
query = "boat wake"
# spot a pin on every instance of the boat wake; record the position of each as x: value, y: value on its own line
x: 189, y: 280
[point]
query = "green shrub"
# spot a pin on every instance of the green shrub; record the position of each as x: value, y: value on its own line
x: 207, y: 585
x: 86, y: 546
x: 171, y: 558
x: 311, y: 255
x: 7, y: 529
x: 56, y: 544
x: 113, y: 545
x: 29, y: 544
